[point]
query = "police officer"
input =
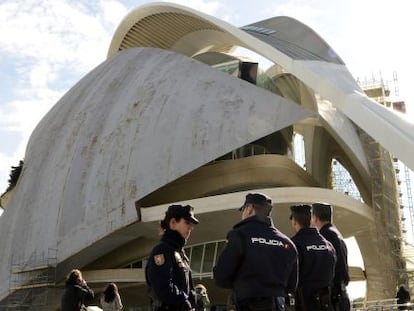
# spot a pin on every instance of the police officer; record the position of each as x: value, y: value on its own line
x: 259, y: 262
x: 168, y: 273
x: 317, y: 260
x: 322, y: 219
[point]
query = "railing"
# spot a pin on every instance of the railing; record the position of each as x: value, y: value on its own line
x: 381, y: 305
x: 243, y: 152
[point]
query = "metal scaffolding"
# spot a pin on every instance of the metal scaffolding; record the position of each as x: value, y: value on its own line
x: 391, y: 190
x: 380, y: 91
x: 387, y: 93
x: 342, y: 181
x: 30, y: 281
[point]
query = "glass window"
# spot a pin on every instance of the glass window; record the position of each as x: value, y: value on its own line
x: 196, y: 258
x: 209, y: 257
x: 220, y: 247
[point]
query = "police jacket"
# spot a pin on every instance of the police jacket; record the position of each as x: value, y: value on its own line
x: 258, y: 261
x: 74, y: 296
x: 331, y: 233
x: 317, y: 260
x: 168, y: 273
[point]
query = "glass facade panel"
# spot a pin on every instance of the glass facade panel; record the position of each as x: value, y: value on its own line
x: 196, y: 258
x: 220, y: 247
x: 204, y: 257
x: 209, y: 257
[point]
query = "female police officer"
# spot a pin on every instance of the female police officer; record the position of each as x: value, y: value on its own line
x: 168, y: 273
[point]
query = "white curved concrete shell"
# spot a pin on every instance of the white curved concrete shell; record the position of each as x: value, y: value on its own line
x: 301, y: 52
x: 336, y: 96
x: 121, y: 125
x: 151, y: 126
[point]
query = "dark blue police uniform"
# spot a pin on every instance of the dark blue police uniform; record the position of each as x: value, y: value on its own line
x: 168, y: 274
x: 340, y: 297
x: 259, y: 263
x: 317, y: 260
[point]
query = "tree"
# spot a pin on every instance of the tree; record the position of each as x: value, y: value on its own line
x: 14, y: 175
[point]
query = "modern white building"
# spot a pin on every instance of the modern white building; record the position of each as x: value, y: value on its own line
x: 174, y: 115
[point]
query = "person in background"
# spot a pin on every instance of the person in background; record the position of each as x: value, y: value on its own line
x: 168, y: 273
x: 202, y: 300
x: 322, y: 219
x: 76, y: 292
x: 403, y: 297
x: 259, y: 263
x: 317, y: 260
x: 110, y: 299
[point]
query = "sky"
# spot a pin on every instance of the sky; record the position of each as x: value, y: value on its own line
x: 47, y: 46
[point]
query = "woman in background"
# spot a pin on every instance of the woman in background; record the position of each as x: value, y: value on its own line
x: 76, y: 292
x: 110, y: 299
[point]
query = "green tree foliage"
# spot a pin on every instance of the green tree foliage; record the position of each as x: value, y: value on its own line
x: 14, y: 175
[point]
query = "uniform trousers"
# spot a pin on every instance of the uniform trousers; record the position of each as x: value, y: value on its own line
x: 262, y: 304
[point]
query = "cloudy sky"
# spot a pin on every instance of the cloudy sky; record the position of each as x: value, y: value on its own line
x: 46, y: 46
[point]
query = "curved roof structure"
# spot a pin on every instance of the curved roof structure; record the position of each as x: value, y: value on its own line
x: 120, y: 125
x: 283, y: 40
x: 153, y: 125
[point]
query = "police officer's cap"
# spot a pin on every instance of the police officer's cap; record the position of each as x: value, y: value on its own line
x: 257, y: 198
x: 301, y: 209
x: 182, y: 211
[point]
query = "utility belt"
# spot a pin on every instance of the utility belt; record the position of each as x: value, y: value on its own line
x: 319, y: 300
x: 262, y: 304
x: 340, y: 299
x: 339, y: 292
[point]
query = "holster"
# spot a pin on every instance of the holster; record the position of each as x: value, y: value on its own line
x: 323, y: 298
x: 336, y: 294
x: 339, y: 298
